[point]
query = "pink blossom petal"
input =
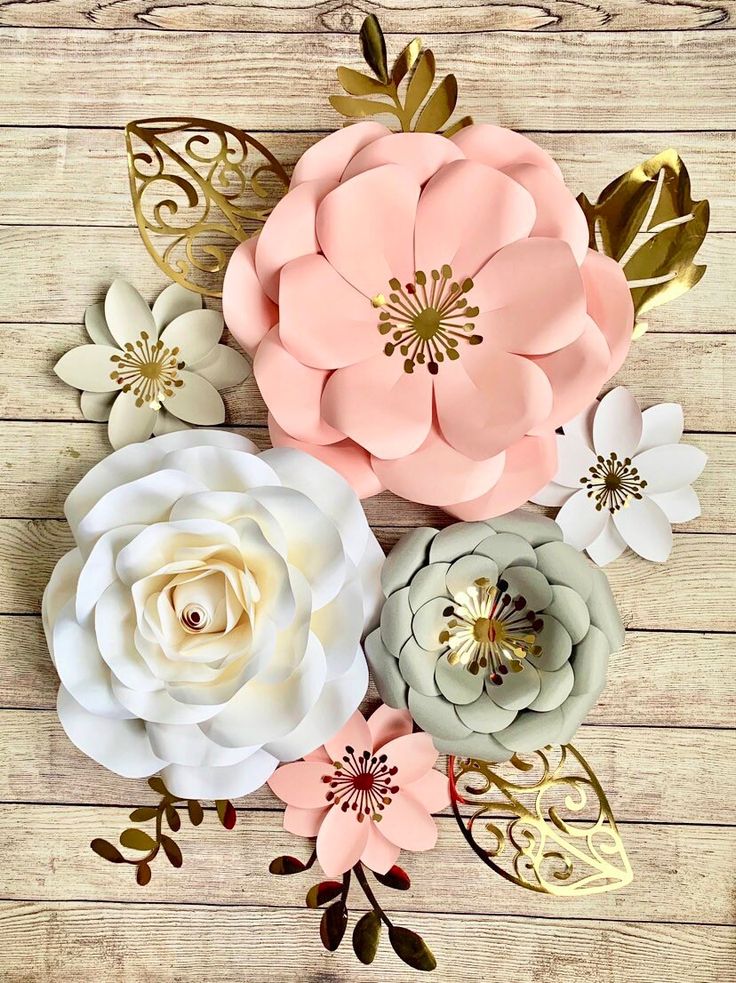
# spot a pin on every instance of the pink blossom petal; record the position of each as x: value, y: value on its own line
x: 413, y: 754
x: 319, y: 754
x: 303, y: 822
x: 366, y: 227
x: 501, y: 148
x: 609, y: 304
x: 248, y: 312
x: 607, y: 547
x: 489, y: 399
x: 324, y: 322
x: 574, y: 460
x: 379, y: 855
x: 329, y: 157
x: 432, y: 790
x: 290, y: 232
x: 292, y: 392
x: 467, y: 212
x: 558, y: 214
x: 346, y: 457
x: 300, y: 784
x: 646, y: 529
x: 354, y: 734
x: 341, y: 841
x: 530, y: 464
x: 437, y: 474
x: 580, y: 521
x: 421, y: 153
x: 379, y: 405
x: 408, y: 824
x: 385, y: 724
x: 617, y: 424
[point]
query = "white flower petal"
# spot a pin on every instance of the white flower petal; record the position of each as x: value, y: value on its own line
x: 223, y: 367
x: 197, y: 401
x: 159, y: 706
x: 574, y: 458
x: 81, y: 668
x: 129, y: 423
x: 670, y: 467
x: 187, y: 745
x: 221, y: 469
x: 96, y: 406
x: 59, y: 590
x: 646, y: 529
x: 99, y: 571
x: 88, y: 367
x: 127, y: 314
x: 552, y: 495
x: 580, y: 521
x: 662, y: 424
x: 607, y: 547
x: 96, y: 325
x: 195, y: 334
x: 339, y: 626
x: 227, y: 782
x: 581, y: 426
x: 173, y: 301
x: 679, y: 506
x: 617, y: 425
x: 167, y: 423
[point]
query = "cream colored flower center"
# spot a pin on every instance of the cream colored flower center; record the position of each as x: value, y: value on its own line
x: 489, y: 629
x: 613, y: 483
x: 427, y: 319
x: 149, y: 371
x: 362, y: 784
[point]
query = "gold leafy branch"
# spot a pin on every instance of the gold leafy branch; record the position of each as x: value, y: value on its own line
x: 403, y: 91
x: 648, y: 222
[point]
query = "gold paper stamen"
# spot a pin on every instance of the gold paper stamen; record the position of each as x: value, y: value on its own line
x: 613, y: 483
x: 149, y: 371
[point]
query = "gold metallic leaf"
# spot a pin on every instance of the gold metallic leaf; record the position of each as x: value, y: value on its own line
x: 199, y: 187
x: 648, y: 222
x: 373, y: 44
x: 439, y: 107
x: 359, y: 84
x: 420, y: 83
x: 405, y: 62
x: 352, y: 106
x: 542, y: 822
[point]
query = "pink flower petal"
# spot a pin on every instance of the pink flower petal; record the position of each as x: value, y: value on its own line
x: 328, y: 157
x: 300, y: 784
x: 580, y: 521
x: 341, y: 841
x: 408, y: 824
x: 289, y: 232
x: 379, y: 405
x: 346, y: 457
x: 558, y: 214
x: 609, y: 304
x: 530, y: 463
x: 501, y: 148
x: 324, y: 322
x: 646, y: 529
x: 467, y: 212
x: 354, y: 734
x: 366, y: 228
x: 488, y: 400
x: 432, y: 790
x: 248, y: 312
x: 421, y: 153
x: 379, y: 855
x: 531, y: 297
x: 303, y: 822
x: 413, y: 754
x: 385, y: 724
x: 292, y: 392
x: 437, y: 474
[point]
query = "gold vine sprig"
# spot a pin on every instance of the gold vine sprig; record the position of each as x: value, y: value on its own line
x: 385, y: 91
x: 168, y: 809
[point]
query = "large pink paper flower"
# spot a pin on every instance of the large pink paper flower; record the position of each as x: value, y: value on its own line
x: 367, y: 794
x: 425, y: 312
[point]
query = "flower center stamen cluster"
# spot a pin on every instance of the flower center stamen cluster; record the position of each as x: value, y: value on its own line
x: 150, y: 371
x: 427, y: 319
x: 613, y: 483
x: 490, y: 630
x: 363, y: 784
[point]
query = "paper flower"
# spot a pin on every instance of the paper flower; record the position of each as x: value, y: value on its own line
x: 152, y: 371
x: 424, y: 312
x: 496, y: 635
x: 367, y: 794
x: 208, y: 623
x: 623, y: 478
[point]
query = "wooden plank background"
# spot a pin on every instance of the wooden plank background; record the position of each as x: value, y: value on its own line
x: 600, y: 85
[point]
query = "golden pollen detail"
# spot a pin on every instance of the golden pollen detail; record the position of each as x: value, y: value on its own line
x: 427, y: 319
x: 489, y: 630
x: 612, y: 483
x: 149, y: 370
x: 363, y: 784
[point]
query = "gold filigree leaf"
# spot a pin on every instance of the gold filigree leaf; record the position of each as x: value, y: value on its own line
x: 199, y: 187
x: 542, y: 821
x: 648, y: 222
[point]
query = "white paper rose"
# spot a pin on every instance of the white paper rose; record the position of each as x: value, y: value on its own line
x: 208, y: 625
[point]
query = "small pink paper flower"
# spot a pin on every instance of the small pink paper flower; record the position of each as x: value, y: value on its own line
x: 367, y: 794
x: 424, y: 312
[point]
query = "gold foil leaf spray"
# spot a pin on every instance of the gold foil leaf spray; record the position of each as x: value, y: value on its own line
x: 541, y: 821
x: 648, y: 222
x: 199, y: 187
x: 385, y: 91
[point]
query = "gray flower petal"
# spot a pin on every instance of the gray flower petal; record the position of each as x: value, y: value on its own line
x: 507, y: 550
x: 391, y: 685
x: 562, y: 564
x: 556, y: 645
x: 535, y: 528
x: 482, y: 746
x: 574, y: 711
x: 457, y: 684
x: 428, y: 583
x: 555, y: 689
x: 467, y: 570
x: 417, y: 668
x: 485, y: 716
x: 531, y: 584
x: 429, y: 621
x: 590, y: 663
x: 603, y: 611
x: 436, y: 716
x: 455, y: 540
x: 517, y: 690
x: 396, y: 621
x: 531, y: 731
x: 571, y: 611
x: 407, y: 556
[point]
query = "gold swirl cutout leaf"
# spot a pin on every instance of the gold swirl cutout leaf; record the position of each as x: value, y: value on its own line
x: 541, y: 821
x: 648, y: 222
x: 401, y: 92
x: 199, y: 187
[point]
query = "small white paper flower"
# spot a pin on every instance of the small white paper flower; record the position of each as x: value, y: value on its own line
x: 152, y: 371
x: 623, y: 477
